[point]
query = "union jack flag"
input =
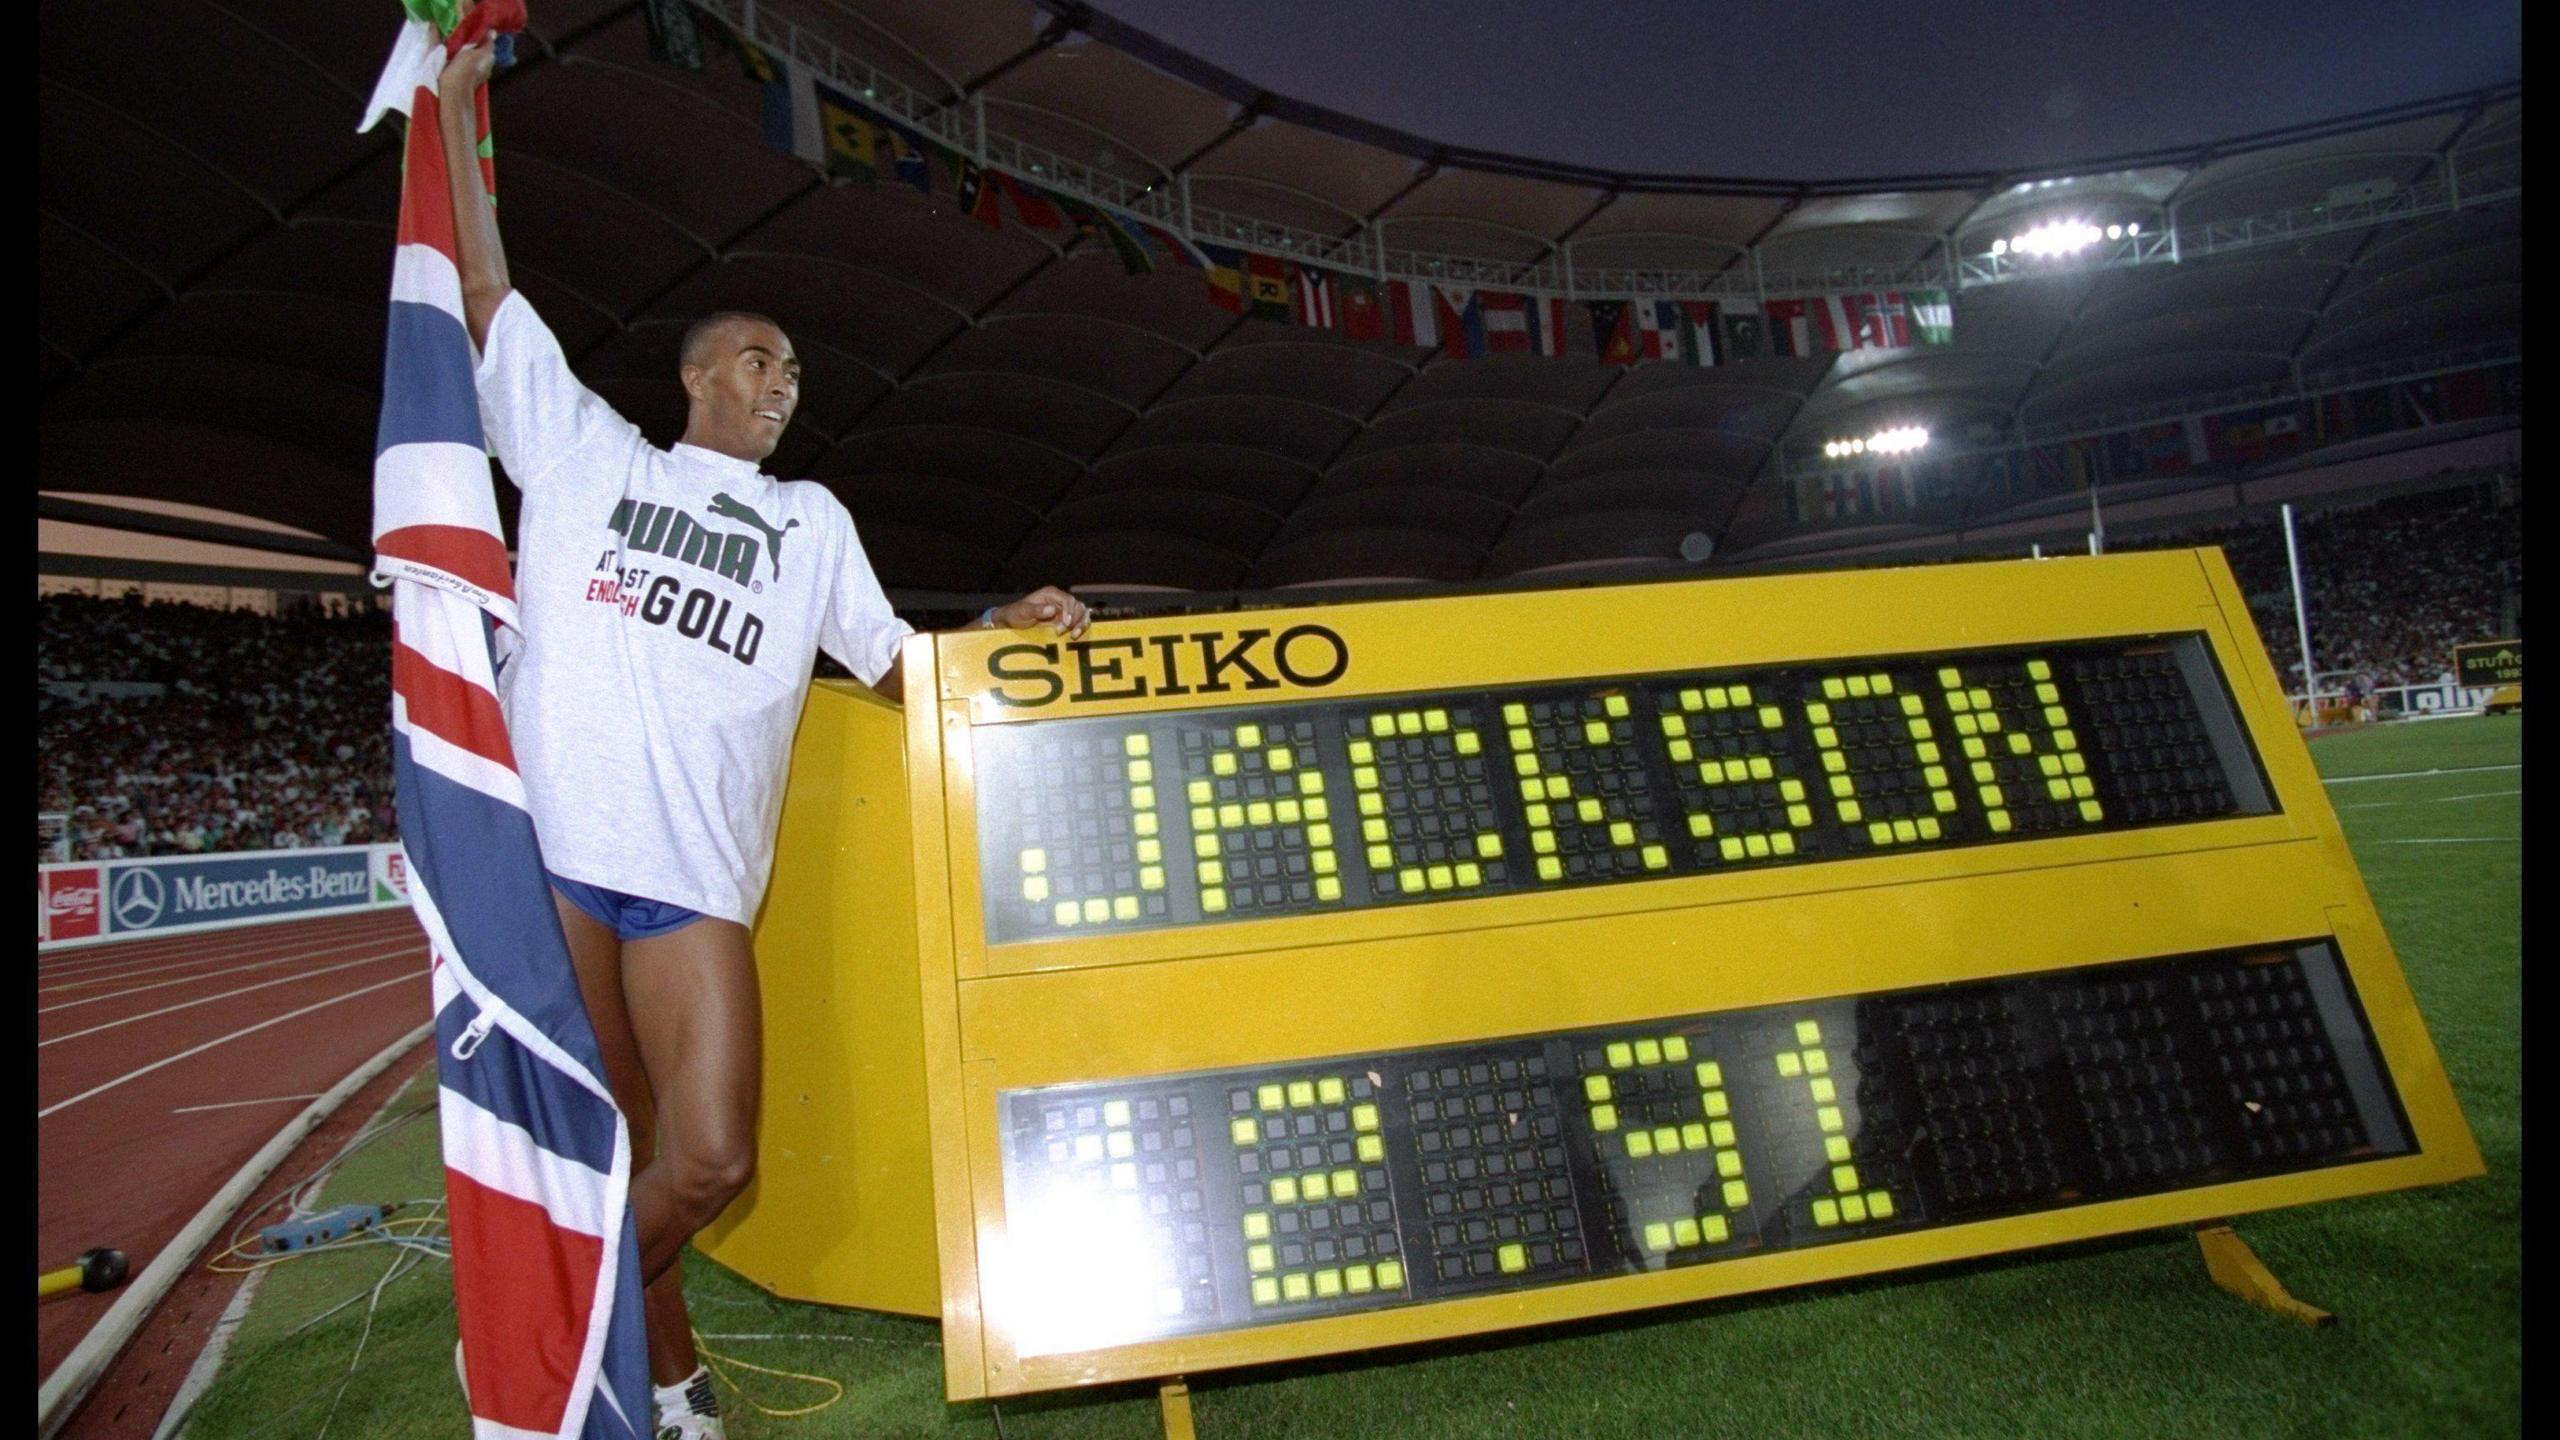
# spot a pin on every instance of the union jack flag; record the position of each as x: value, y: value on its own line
x: 537, y: 1156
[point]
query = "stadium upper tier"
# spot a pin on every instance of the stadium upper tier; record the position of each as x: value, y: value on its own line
x: 1009, y: 403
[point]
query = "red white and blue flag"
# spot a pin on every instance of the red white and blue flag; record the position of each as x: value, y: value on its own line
x: 537, y: 1156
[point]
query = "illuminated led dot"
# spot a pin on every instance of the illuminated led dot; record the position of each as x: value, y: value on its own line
x: 1596, y: 732
x: 2065, y: 740
x: 1373, y: 803
x: 1736, y: 1194
x: 1640, y: 1144
x: 1231, y: 815
x: 1911, y: 705
x: 1409, y: 879
x: 2019, y: 744
x: 1880, y: 1204
x: 1515, y: 714
x: 1088, y: 1148
x: 1622, y: 833
x: 1258, y: 812
x: 1853, y: 1208
x: 2057, y: 788
x: 2090, y: 810
x: 1621, y: 1055
x: 1881, y: 832
x: 1204, y: 818
x: 1657, y: 1236
x: 1328, y: 1283
x: 1266, y: 1291
x: 1525, y: 764
x: 1834, y: 761
x: 1720, y: 1133
x: 1826, y: 1213
x: 1302, y: 1092
x: 1710, y: 1075
x: 1373, y: 829
x: 1711, y: 771
x: 1097, y: 910
x: 2082, y: 788
x: 1382, y: 724
x: 1390, y: 1274
x: 1441, y: 877
x: 1280, y: 760
x: 1684, y: 1231
x: 1828, y: 1117
x: 1604, y: 1118
x: 1682, y: 751
x: 1035, y: 888
x: 1372, y: 1149
x: 1364, y: 1117
x: 1714, y: 1230
x: 1124, y: 907
x: 1468, y: 744
x: 1825, y: 1091
x: 1214, y: 901
x: 1756, y: 846
x: 1550, y: 868
x: 1790, y: 1064
x: 1738, y: 695
x: 1786, y: 844
x: 1409, y: 722
x: 1211, y: 872
x: 1066, y: 912
x: 1927, y: 750
x: 1790, y: 789
x: 1380, y: 857
x: 1771, y: 718
x: 1728, y: 1163
x: 1150, y: 851
x: 1141, y: 772
x: 1121, y: 1145
x: 1540, y: 815
x: 1222, y: 763
x: 1906, y: 831
x: 1558, y: 788
x: 1435, y: 721
x: 1362, y: 752
x: 1243, y: 1131
x: 1321, y: 836
x: 1143, y: 824
x: 1716, y: 700
x: 1701, y: 826
x: 1858, y: 687
x: 1693, y: 1136
x: 1998, y: 820
x: 1844, y: 1178
x: 1675, y: 1049
x: 2075, y: 764
x: 1835, y: 1147
x: 1284, y: 1191
x: 1761, y: 768
x: 1717, y: 1106
x: 1835, y: 689
x: 1346, y: 1183
x: 1470, y: 873
x: 1257, y: 1225
x: 1730, y: 847
x: 1648, y: 1052
x: 1293, y: 1287
x: 1489, y: 845
x: 2048, y: 694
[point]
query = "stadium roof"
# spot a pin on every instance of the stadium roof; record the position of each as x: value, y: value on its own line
x: 1000, y: 408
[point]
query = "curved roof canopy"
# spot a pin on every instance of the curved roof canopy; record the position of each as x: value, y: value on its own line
x: 999, y: 408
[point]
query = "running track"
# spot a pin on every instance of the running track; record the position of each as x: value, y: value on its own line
x: 163, y: 1065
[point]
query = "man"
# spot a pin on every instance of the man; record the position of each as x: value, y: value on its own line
x: 673, y: 603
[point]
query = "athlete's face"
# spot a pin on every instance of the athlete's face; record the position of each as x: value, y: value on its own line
x: 743, y: 382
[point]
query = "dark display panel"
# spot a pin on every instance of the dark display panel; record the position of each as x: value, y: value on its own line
x: 1135, y: 822
x: 1215, y: 1200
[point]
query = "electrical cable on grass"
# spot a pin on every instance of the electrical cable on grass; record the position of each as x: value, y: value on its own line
x: 715, y: 1360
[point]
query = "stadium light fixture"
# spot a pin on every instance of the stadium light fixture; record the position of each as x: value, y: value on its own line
x: 1900, y: 440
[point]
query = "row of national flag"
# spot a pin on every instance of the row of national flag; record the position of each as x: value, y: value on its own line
x: 821, y: 124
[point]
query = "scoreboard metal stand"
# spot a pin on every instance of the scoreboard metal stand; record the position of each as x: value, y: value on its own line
x: 1226, y: 989
x: 2236, y: 1268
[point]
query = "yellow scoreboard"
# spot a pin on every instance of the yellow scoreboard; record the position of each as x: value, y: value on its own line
x: 1300, y: 981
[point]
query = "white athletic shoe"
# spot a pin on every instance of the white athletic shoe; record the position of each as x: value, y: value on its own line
x: 687, y: 1410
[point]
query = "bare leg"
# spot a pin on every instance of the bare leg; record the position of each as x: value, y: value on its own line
x: 596, y: 954
x: 694, y: 1009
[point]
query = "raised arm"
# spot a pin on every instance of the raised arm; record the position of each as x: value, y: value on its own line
x: 475, y: 220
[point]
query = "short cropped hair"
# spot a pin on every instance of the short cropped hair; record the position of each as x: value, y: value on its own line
x: 697, y: 336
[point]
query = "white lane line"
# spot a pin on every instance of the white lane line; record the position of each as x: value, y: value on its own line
x: 2481, y: 795
x: 322, y: 952
x: 90, y: 982
x: 227, y: 994
x: 2459, y: 840
x: 2417, y: 774
x: 236, y: 1104
x: 246, y: 938
x: 96, y: 1090
x: 200, y: 957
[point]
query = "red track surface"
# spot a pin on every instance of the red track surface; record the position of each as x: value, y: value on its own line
x: 135, y: 1039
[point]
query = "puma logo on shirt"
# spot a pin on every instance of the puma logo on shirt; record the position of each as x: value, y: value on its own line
x: 653, y: 529
x: 729, y: 508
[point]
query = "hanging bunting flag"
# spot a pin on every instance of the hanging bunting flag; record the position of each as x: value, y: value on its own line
x: 1933, y: 317
x: 863, y: 144
x: 1266, y: 287
x: 1790, y: 327
x: 1522, y: 324
x: 1613, y: 333
x: 1462, y: 334
x: 1363, y: 309
x: 985, y: 194
x: 1317, y: 302
x: 1416, y: 313
x: 1225, y: 269
x: 1743, y: 330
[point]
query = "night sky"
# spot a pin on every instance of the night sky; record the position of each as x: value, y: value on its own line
x: 1804, y: 89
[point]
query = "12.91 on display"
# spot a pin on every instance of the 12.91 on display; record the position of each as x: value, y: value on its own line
x: 1203, y: 816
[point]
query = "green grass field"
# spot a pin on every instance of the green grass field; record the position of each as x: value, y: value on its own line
x: 2124, y: 1338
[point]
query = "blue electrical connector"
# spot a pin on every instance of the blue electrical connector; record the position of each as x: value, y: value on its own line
x: 320, y: 1229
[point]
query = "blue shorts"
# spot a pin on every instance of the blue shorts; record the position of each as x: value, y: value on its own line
x: 628, y: 916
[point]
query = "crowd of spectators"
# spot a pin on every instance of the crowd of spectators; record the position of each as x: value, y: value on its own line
x: 213, y: 729
x: 2390, y: 588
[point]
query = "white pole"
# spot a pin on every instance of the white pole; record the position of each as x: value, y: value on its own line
x: 2301, y: 616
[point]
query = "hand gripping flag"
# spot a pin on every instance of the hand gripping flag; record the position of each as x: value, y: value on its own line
x: 537, y: 1157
